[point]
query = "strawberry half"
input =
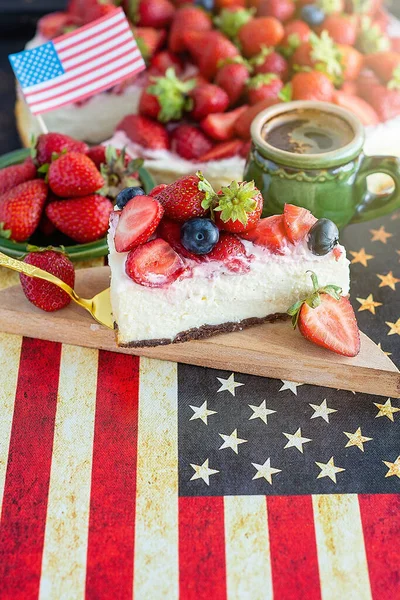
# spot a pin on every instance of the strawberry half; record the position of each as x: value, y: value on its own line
x: 137, y: 222
x: 230, y: 250
x: 170, y: 231
x: 154, y: 264
x: 220, y: 126
x: 327, y: 319
x: 271, y: 233
x: 298, y: 222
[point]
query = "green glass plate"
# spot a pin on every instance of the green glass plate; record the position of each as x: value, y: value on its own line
x: 78, y: 251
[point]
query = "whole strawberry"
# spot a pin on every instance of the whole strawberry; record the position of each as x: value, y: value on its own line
x: 55, y: 143
x: 155, y: 13
x: 74, y: 174
x: 43, y: 294
x: 16, y: 174
x: 238, y: 207
x: 145, y: 132
x: 21, y: 209
x: 183, y: 199
x: 190, y: 142
x: 263, y: 87
x: 232, y: 77
x: 82, y: 219
x: 207, y: 99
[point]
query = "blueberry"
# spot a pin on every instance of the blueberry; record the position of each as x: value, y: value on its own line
x: 208, y: 5
x: 199, y: 235
x: 322, y: 237
x: 127, y: 194
x: 312, y: 14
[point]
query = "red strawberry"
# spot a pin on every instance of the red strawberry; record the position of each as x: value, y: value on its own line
x: 264, y: 87
x: 230, y: 250
x: 232, y: 77
x: 154, y: 264
x: 43, y: 294
x: 297, y: 221
x: 54, y: 24
x: 271, y: 62
x: 385, y: 102
x: 97, y: 154
x: 222, y: 150
x: 312, y: 85
x: 149, y: 40
x: 230, y: 4
x: 170, y: 231
x: 149, y: 105
x: 283, y: 10
x: 16, y: 174
x: 190, y: 142
x: 220, y: 126
x: 243, y: 123
x: 156, y: 190
x: 215, y: 48
x: 83, y: 219
x: 331, y: 324
x: 296, y: 32
x: 182, y: 199
x: 164, y: 60
x: 166, y: 98
x: 74, y: 174
x: 145, y: 132
x: 341, y: 28
x: 98, y: 10
x: 187, y: 18
x: 137, y: 222
x: 301, y: 57
x: 350, y: 88
x: 155, y: 13
x: 55, y: 143
x: 383, y: 64
x: 352, y: 61
x: 259, y: 32
x: 358, y: 106
x: 271, y: 233
x: 245, y: 150
x: 207, y: 99
x: 239, y: 207
x: 21, y: 209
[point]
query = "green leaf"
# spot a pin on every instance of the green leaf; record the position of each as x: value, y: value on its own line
x: 33, y: 143
x: 314, y: 280
x: 44, y: 168
x: 259, y: 59
x: 333, y: 290
x: 5, y: 233
x: 262, y: 79
x: 171, y: 93
x: 229, y: 21
x: 236, y: 201
x: 327, y: 56
x: 371, y: 39
x: 205, y: 186
x: 330, y: 6
x: 394, y: 83
x: 286, y: 93
x: 293, y: 43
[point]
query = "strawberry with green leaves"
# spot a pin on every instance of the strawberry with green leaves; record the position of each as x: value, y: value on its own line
x: 166, y: 99
x: 320, y: 53
x: 48, y: 144
x: 263, y: 87
x: 269, y: 61
x: 230, y: 20
x: 295, y: 33
x: 237, y: 208
x: 21, y: 209
x: 183, y: 199
x: 149, y: 40
x: 73, y: 174
x: 119, y: 171
x: 327, y: 319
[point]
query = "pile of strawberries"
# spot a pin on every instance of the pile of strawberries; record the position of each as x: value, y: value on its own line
x: 64, y: 187
x: 211, y: 71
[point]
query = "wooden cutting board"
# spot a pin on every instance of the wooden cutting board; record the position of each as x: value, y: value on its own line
x: 270, y: 350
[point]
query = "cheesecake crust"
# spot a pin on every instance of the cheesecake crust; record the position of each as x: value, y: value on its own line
x: 203, y: 332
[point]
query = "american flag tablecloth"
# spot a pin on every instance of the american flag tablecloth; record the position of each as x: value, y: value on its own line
x: 123, y: 477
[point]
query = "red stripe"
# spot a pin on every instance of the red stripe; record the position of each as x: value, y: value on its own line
x: 137, y: 66
x: 380, y: 516
x: 106, y: 60
x: 113, y: 489
x: 28, y: 473
x: 92, y: 43
x: 202, y: 549
x: 293, y: 547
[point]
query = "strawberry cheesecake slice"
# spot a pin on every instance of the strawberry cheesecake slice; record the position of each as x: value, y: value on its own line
x: 187, y: 262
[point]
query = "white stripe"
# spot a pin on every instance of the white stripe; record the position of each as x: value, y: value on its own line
x: 156, y: 528
x: 81, y: 35
x: 113, y: 66
x: 65, y: 543
x: 10, y: 350
x: 78, y: 93
x: 96, y: 62
x: 80, y: 49
x: 248, y: 562
x: 94, y: 52
x: 342, y: 560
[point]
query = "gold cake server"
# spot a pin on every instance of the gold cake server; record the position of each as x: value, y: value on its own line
x: 99, y: 306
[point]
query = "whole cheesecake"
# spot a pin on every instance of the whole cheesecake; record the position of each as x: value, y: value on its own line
x: 162, y: 292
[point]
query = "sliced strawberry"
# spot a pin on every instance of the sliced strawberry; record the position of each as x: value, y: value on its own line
x: 271, y: 233
x: 298, y: 222
x: 331, y: 325
x: 222, y: 150
x: 170, y: 231
x: 220, y: 126
x: 190, y: 142
x: 154, y: 264
x: 137, y: 222
x: 145, y: 132
x: 230, y: 250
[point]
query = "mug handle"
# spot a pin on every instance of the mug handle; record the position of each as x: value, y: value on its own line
x: 372, y: 206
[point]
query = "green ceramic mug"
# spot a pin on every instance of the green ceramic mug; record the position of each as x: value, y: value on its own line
x: 331, y: 184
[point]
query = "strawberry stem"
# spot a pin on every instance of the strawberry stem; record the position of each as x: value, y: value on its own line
x: 236, y: 201
x: 314, y: 300
x: 172, y: 95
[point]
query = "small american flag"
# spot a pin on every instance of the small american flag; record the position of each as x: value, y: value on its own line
x: 78, y: 64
